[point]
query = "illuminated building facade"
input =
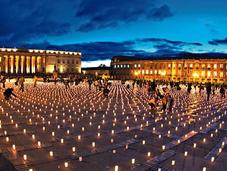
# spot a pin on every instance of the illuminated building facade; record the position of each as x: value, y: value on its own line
x: 100, y: 71
x: 32, y: 61
x: 199, y: 70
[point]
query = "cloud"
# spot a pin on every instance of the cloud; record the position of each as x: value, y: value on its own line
x: 166, y: 41
x: 160, y: 13
x: 105, y: 14
x: 23, y: 20
x: 211, y: 28
x: 93, y: 51
x: 218, y: 42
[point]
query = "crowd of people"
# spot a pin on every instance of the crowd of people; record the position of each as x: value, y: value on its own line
x: 160, y: 93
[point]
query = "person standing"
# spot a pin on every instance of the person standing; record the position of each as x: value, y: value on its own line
x: 152, y: 104
x: 222, y: 91
x: 208, y: 90
x: 106, y: 91
x: 171, y: 102
x: 189, y: 88
x: 3, y: 80
x: 21, y: 83
x: 35, y: 80
x: 89, y: 84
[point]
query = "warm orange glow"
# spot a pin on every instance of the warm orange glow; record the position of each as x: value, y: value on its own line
x: 50, y: 69
x: 61, y: 69
x: 195, y: 74
x: 136, y: 73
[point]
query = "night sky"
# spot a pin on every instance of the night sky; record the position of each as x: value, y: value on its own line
x: 101, y: 29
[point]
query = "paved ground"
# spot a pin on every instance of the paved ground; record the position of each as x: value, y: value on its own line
x: 50, y: 128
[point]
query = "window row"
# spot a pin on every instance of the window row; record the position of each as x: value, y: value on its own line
x: 68, y: 61
x: 164, y: 66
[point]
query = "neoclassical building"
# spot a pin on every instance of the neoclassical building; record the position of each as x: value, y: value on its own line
x: 31, y: 61
x: 199, y: 69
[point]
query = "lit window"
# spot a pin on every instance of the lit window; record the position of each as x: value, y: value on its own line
x: 155, y: 72
x: 191, y: 65
x: 185, y: 65
x: 169, y: 65
x: 215, y: 66
x: 151, y: 72
x: 203, y: 65
x: 142, y: 71
x: 114, y: 66
x: 221, y: 74
x: 135, y: 66
x: 128, y: 66
x: 179, y: 65
x: 215, y: 73
x: 208, y: 73
x: 147, y: 72
x: 203, y: 73
x: 139, y: 65
x: 208, y: 66
x: 174, y: 65
x: 221, y: 66
x: 121, y: 66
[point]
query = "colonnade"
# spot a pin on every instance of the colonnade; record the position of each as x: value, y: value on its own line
x: 23, y: 64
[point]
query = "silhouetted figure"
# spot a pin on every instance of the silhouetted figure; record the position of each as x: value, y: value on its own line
x: 8, y: 93
x: 208, y: 89
x: 222, y: 91
x: 21, y: 83
x: 171, y: 102
x: 35, y: 80
x: 66, y: 82
x: 152, y: 104
x: 164, y: 103
x: 159, y: 95
x: 189, y: 88
x: 89, y: 83
x: 106, y: 91
x: 3, y: 80
x: 200, y: 88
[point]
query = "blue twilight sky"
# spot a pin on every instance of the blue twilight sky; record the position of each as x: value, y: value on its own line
x: 101, y: 29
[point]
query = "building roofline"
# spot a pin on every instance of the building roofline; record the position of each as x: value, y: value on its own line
x: 96, y: 68
x: 181, y: 56
x: 47, y: 51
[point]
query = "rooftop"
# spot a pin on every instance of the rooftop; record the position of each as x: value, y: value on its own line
x: 173, y: 57
x: 39, y: 51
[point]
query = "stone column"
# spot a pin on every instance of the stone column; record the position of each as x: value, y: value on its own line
x: 36, y: 58
x: 30, y: 64
x: 9, y: 60
x: 19, y: 65
x: 6, y: 63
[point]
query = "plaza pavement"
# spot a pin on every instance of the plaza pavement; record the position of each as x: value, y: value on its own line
x: 50, y: 128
